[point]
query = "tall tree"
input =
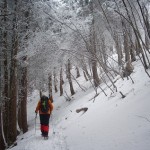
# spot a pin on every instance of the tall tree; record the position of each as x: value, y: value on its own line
x: 50, y: 87
x: 92, y: 49
x: 69, y: 77
x: 13, y: 81
x: 4, y: 107
x: 61, y: 82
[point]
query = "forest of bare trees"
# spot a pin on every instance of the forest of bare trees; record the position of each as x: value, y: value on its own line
x: 40, y: 45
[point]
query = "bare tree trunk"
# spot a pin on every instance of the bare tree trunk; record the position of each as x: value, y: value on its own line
x: 13, y: 96
x: 85, y: 75
x: 118, y: 48
x: 6, y: 80
x: 69, y: 78
x: 1, y: 98
x: 137, y: 47
x: 20, y: 86
x: 2, y: 146
x: 131, y: 45
x: 13, y: 83
x: 92, y: 49
x: 19, y: 115
x: 103, y: 54
x: 50, y: 87
x: 132, y: 52
x: 95, y: 74
x: 85, y: 71
x: 55, y: 81
x: 22, y: 112
x: 129, y: 68
x: 147, y: 40
x: 61, y: 82
x: 78, y: 73
x: 24, y: 98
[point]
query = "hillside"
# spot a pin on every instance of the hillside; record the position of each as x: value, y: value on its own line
x: 110, y: 123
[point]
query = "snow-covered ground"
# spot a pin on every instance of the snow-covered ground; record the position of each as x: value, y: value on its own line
x: 110, y: 123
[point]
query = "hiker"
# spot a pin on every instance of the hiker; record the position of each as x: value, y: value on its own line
x: 45, y: 108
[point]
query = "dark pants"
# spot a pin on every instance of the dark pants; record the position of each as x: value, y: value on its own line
x: 44, y: 120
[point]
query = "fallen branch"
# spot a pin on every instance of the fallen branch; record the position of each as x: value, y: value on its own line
x: 123, y: 96
x: 84, y: 109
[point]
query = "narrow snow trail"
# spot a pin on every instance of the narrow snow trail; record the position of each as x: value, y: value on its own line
x: 32, y: 140
x: 111, y: 122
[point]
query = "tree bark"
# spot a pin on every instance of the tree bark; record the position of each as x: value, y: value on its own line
x: 61, y: 82
x: 2, y: 146
x: 13, y: 83
x: 24, y: 97
x: 92, y: 50
x: 55, y: 81
x: 78, y: 73
x: 13, y: 97
x: 118, y: 49
x: 85, y: 75
x: 6, y: 80
x: 50, y: 87
x: 50, y: 84
x: 69, y: 78
x: 128, y: 68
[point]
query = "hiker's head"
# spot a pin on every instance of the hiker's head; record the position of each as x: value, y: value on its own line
x: 44, y: 97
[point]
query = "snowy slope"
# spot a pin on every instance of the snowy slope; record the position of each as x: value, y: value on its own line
x: 111, y: 123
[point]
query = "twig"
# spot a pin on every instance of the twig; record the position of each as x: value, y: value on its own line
x: 144, y: 118
x: 67, y: 98
x: 123, y: 96
x: 94, y: 97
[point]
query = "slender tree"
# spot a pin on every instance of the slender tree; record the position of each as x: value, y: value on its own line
x: 61, y: 82
x: 69, y: 77
x: 55, y: 81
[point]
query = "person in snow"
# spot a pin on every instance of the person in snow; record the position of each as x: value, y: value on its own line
x: 45, y: 108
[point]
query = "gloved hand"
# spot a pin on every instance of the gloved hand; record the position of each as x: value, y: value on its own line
x: 35, y: 114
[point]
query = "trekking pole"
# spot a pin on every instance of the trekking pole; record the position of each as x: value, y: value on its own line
x: 35, y: 122
x: 52, y: 123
